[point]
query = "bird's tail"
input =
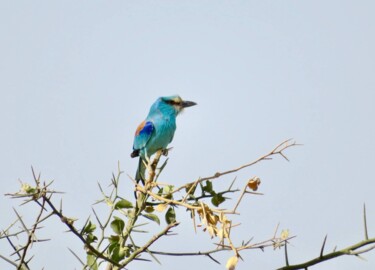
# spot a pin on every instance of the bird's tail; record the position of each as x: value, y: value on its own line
x: 140, y: 175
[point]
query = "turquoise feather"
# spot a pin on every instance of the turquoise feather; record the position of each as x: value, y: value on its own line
x: 157, y: 130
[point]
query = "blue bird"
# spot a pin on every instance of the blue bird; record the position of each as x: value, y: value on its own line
x: 157, y: 131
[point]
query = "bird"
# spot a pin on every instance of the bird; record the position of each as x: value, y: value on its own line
x: 157, y: 130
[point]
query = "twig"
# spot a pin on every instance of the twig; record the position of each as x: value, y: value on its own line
x: 240, y: 198
x: 346, y: 251
x: 7, y: 260
x: 286, y: 254
x: 30, y: 237
x: 278, y: 150
x: 149, y: 243
x: 69, y: 224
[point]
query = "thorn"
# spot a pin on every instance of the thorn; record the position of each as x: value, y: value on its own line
x: 360, y: 257
x: 365, y: 221
x: 231, y: 185
x: 322, y: 249
x: 32, y: 170
x: 75, y: 255
x: 281, y: 153
x: 212, y: 258
x: 277, y: 228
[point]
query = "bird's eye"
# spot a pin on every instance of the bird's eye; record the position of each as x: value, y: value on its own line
x: 172, y: 102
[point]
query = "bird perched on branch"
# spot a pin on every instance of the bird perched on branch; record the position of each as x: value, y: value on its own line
x: 156, y: 132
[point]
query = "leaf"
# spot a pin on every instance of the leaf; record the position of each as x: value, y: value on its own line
x: 161, y: 207
x: 167, y: 193
x: 118, y: 253
x: 112, y: 246
x: 149, y: 209
x: 91, y: 262
x: 254, y: 183
x: 113, y: 239
x: 152, y: 217
x: 123, y: 204
x: 217, y: 199
x: 232, y: 262
x: 26, y: 188
x: 284, y: 234
x: 117, y: 225
x: 170, y: 216
x: 89, y: 228
x: 91, y: 238
x: 208, y: 187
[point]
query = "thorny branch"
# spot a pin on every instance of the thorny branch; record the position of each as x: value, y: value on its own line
x: 209, y: 215
x: 43, y: 194
x: 149, y: 243
x: 278, y: 150
x: 31, y: 237
x: 351, y: 250
x: 213, y: 219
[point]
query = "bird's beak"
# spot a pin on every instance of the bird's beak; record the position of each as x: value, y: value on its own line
x: 186, y: 103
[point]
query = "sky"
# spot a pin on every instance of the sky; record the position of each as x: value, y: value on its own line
x: 77, y: 77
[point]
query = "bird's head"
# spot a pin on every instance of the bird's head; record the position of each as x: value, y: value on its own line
x: 176, y: 103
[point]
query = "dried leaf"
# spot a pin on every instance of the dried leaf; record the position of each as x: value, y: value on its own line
x: 232, y: 262
x: 161, y: 207
x: 26, y: 188
x: 254, y: 183
x: 284, y: 234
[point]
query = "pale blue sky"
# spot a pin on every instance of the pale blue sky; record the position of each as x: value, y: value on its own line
x: 76, y: 77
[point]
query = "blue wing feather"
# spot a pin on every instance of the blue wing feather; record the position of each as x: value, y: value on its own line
x: 143, y: 134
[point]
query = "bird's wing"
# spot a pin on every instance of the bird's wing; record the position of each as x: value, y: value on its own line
x: 143, y: 134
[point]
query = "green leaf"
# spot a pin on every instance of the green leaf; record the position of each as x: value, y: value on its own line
x: 91, y: 262
x: 117, y: 225
x: 152, y: 217
x: 91, y: 238
x: 123, y: 204
x: 168, y: 192
x: 167, y: 189
x: 112, y: 246
x: 170, y: 216
x: 149, y: 209
x: 217, y: 199
x: 113, y: 239
x: 118, y: 253
x: 208, y: 187
x: 89, y: 228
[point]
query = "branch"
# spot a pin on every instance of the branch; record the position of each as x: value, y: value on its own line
x: 69, y: 223
x: 278, y: 150
x: 346, y: 251
x: 261, y: 245
x: 149, y: 243
x: 30, y: 238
